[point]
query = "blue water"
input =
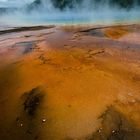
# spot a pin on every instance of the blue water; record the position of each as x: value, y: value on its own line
x: 73, y: 17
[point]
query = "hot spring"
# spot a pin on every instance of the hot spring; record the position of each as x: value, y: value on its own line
x: 43, y: 16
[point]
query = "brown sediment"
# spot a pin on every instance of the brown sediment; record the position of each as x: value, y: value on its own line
x: 70, y: 85
x: 117, y: 32
x: 134, y: 26
x: 113, y: 32
x: 22, y: 29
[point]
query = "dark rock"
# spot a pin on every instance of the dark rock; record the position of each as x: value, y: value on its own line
x: 115, y: 127
x: 32, y: 101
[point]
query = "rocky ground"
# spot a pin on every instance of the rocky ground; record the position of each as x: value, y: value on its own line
x: 70, y: 83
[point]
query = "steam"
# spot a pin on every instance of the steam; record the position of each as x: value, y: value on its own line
x: 85, y: 13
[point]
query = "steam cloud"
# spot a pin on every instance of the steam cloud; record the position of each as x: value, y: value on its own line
x: 87, y: 12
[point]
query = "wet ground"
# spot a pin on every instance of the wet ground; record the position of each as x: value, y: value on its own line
x: 70, y: 83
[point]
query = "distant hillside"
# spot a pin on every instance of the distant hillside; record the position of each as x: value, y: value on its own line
x: 62, y: 4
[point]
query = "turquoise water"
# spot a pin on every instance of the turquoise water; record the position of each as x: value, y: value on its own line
x: 73, y: 17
